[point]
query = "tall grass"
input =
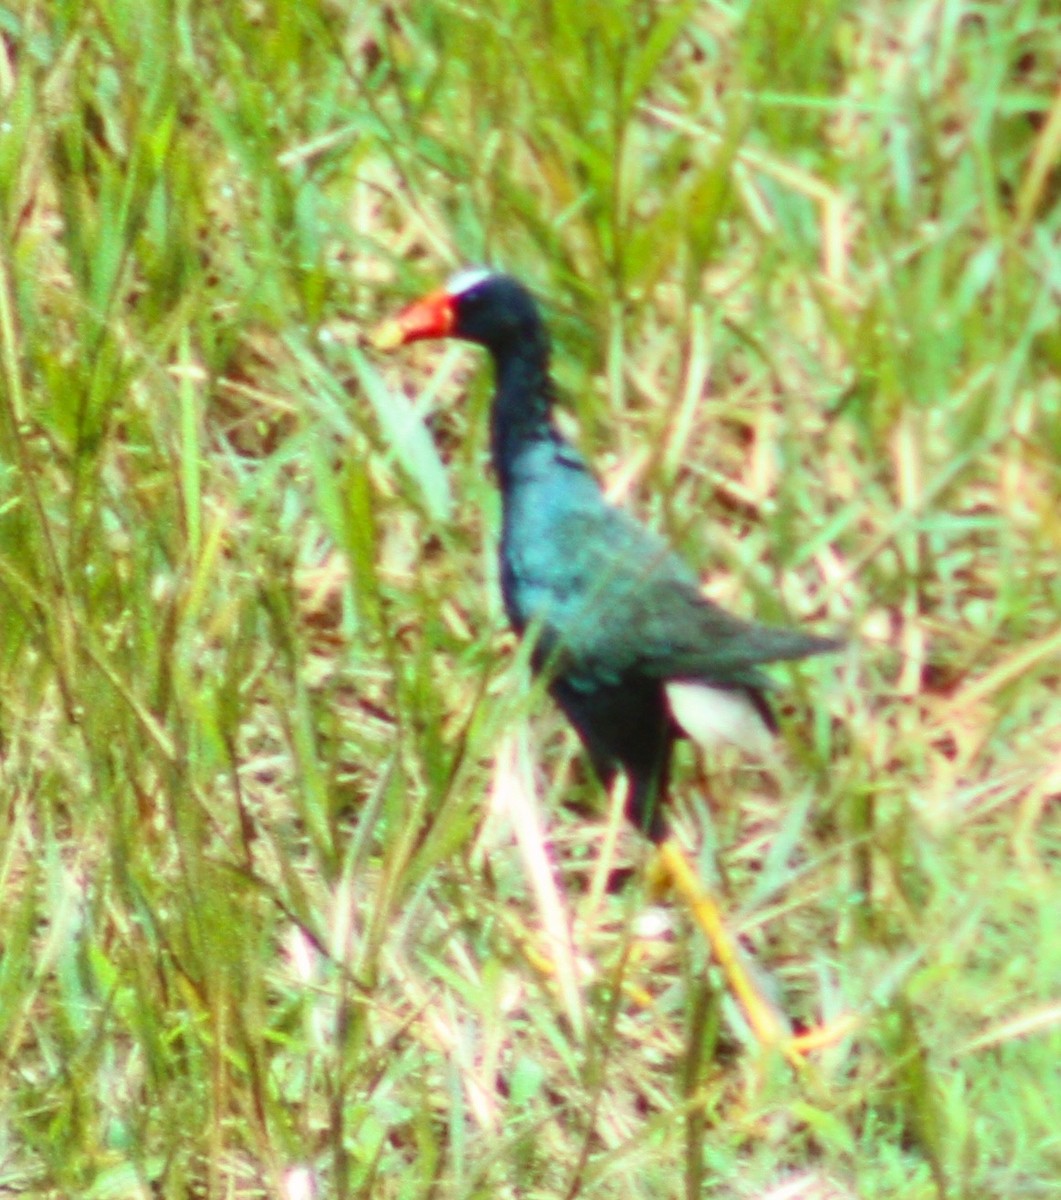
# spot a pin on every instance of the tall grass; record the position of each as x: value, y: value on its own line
x: 268, y: 918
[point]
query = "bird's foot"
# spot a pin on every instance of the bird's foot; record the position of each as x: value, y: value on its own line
x: 823, y: 1036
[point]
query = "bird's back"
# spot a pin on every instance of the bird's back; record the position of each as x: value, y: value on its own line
x: 607, y: 598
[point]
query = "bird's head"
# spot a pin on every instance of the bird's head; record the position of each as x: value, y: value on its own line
x: 481, y: 306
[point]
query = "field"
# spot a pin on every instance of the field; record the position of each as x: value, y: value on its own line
x: 307, y: 890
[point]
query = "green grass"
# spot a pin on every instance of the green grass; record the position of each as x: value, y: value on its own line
x: 265, y: 745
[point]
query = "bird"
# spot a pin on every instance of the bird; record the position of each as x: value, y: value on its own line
x: 632, y: 651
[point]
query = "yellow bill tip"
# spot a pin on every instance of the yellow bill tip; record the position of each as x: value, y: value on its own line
x: 388, y: 335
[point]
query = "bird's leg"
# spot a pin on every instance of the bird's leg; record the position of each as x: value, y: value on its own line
x: 768, y: 1025
x: 648, y: 791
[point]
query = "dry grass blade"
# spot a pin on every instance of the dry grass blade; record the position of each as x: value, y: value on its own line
x: 513, y: 793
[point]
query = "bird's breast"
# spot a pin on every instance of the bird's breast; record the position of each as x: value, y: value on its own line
x: 543, y: 542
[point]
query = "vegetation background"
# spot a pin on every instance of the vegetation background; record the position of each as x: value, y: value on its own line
x: 271, y: 901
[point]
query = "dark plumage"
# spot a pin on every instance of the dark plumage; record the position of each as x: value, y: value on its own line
x: 635, y: 655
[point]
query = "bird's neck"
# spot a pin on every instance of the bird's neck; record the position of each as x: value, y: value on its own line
x: 523, y: 401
